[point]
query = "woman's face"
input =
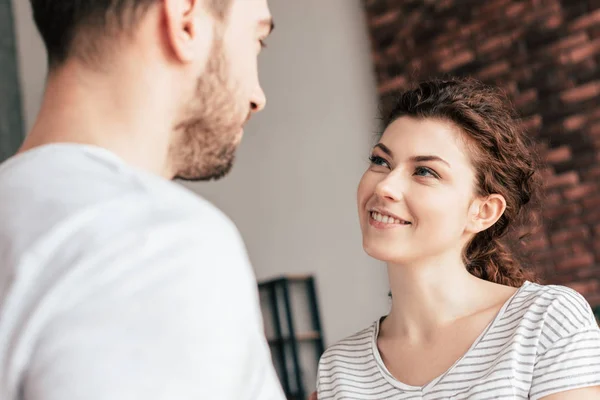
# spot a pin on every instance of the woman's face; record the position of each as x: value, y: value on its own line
x: 414, y: 200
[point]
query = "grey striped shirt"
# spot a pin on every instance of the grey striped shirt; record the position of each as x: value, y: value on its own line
x: 544, y: 340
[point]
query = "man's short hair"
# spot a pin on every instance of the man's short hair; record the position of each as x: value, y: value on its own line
x: 79, y: 27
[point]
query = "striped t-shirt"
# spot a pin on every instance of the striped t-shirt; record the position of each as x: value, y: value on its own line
x: 544, y: 340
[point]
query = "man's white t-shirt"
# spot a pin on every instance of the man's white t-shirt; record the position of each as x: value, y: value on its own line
x: 120, y: 285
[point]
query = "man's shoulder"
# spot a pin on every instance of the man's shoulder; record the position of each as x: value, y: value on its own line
x: 79, y: 176
x: 56, y: 182
x: 76, y: 202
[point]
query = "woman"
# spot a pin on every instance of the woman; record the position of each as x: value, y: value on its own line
x: 448, y: 178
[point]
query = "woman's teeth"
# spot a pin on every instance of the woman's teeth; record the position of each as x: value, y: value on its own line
x: 386, y: 219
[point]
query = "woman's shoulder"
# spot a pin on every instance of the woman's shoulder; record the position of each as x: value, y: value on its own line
x: 552, y: 307
x: 559, y: 338
x: 357, y: 345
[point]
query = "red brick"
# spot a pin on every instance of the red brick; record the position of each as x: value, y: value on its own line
x: 492, y: 6
x: 565, y: 236
x: 553, y: 22
x: 537, y: 243
x: 594, y: 300
x: 571, y: 222
x: 387, y: 18
x: 495, y: 43
x: 471, y: 29
x: 595, y: 129
x: 575, y: 262
x: 584, y: 288
x: 596, y: 246
x: 586, y: 274
x: 592, y: 201
x: 442, y: 53
x: 562, y: 211
x: 553, y: 8
x: 559, y: 253
x: 566, y: 179
x: 515, y: 9
x: 443, y: 4
x: 494, y: 70
x: 558, y: 155
x: 532, y: 123
x: 526, y: 97
x: 392, y: 51
x: 593, y: 173
x: 580, y: 93
x: 580, y: 191
x: 416, y: 64
x: 584, y: 52
x: 552, y: 199
x: 590, y: 19
x: 464, y: 57
x: 393, y: 84
x: 592, y: 215
x: 578, y: 247
x: 574, y: 122
x: 569, y: 42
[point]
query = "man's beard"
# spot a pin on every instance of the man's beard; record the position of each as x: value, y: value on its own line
x: 208, y: 139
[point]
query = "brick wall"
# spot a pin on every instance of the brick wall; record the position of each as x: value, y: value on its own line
x: 546, y: 54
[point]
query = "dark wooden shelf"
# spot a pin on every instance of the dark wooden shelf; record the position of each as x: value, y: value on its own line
x: 292, y: 278
x: 286, y: 341
x: 300, y: 337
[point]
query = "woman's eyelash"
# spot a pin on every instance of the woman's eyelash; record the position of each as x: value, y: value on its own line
x: 426, y: 170
x: 376, y: 160
x: 419, y: 171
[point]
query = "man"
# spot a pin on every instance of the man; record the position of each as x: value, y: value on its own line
x: 115, y: 283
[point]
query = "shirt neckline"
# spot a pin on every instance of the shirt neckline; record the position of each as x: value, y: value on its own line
x: 97, y: 152
x: 410, y: 388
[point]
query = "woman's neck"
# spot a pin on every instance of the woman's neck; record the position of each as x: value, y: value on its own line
x: 431, y: 294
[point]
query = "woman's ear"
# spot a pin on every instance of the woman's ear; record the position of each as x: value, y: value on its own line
x: 484, y: 212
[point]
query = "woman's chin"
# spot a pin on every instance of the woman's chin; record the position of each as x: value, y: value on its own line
x: 384, y: 254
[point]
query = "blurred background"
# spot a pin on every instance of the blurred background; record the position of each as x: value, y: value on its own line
x: 327, y: 68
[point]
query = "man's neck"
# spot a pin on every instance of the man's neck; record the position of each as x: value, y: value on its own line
x: 93, y: 108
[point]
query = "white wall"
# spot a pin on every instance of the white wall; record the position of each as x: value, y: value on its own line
x: 292, y: 192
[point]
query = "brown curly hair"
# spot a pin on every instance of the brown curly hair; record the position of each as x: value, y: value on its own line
x: 501, y: 153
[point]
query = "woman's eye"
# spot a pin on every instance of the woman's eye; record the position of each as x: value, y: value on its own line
x: 376, y: 160
x: 426, y: 172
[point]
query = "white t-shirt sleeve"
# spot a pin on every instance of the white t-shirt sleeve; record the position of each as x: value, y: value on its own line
x: 172, y: 314
x: 569, y: 348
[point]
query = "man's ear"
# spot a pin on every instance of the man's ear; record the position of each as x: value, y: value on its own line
x: 485, y: 212
x: 189, y: 29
